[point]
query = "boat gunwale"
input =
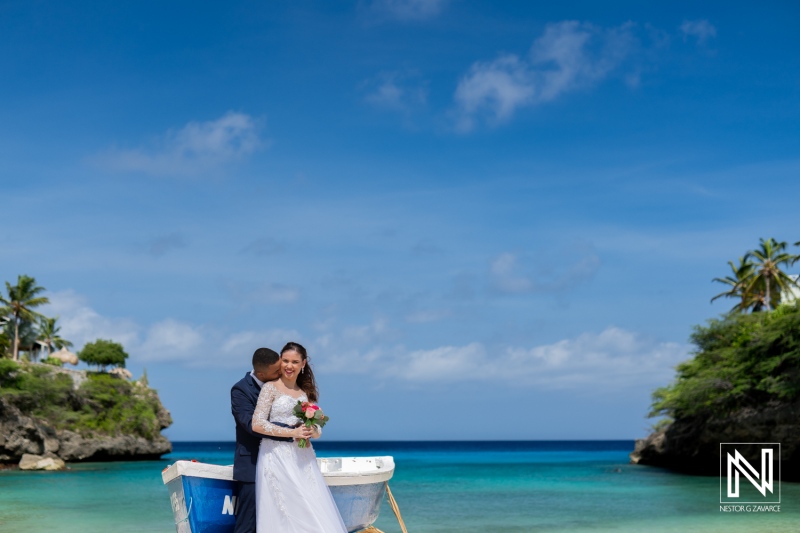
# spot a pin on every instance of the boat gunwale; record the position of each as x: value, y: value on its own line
x: 189, y: 468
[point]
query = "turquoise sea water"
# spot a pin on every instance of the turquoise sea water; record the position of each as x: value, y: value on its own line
x: 511, y: 487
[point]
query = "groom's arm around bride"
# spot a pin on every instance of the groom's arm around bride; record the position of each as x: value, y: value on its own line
x: 244, y: 395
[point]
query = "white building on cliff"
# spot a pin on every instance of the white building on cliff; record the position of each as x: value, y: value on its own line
x: 792, y: 295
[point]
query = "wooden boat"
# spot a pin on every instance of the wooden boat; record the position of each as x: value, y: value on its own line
x: 203, y: 496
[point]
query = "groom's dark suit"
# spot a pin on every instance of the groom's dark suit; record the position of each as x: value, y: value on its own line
x: 244, y: 396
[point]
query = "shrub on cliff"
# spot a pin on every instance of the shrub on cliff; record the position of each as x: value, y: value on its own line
x: 8, y: 371
x: 740, y: 361
x: 5, y: 344
x: 103, y: 404
x: 113, y: 405
x: 34, y: 390
x: 103, y: 353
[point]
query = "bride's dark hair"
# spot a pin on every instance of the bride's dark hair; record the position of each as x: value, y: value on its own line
x: 305, y: 379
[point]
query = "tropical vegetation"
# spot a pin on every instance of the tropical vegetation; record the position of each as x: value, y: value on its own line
x: 49, y: 337
x: 18, y: 308
x: 26, y: 334
x: 103, y: 353
x: 758, y: 281
x: 90, y: 403
x: 102, y: 404
x: 743, y: 359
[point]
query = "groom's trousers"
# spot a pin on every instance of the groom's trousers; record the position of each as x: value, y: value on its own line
x: 246, y: 508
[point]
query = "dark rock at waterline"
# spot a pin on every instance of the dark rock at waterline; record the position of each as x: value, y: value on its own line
x: 692, y: 445
x: 74, y: 447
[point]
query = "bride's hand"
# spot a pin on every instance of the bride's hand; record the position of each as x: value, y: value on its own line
x: 302, y: 432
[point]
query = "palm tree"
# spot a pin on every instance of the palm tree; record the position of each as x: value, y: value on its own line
x: 768, y: 261
x: 19, y: 304
x: 740, y: 283
x: 48, y: 335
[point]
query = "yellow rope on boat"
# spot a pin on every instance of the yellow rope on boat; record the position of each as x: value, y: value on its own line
x: 395, y: 508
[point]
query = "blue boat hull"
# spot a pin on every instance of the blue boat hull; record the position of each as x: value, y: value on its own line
x: 203, y: 505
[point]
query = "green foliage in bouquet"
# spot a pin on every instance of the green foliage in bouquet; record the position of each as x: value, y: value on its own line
x: 740, y: 361
x: 316, y: 418
x: 319, y: 419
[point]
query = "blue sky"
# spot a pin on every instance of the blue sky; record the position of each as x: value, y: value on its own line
x: 459, y: 207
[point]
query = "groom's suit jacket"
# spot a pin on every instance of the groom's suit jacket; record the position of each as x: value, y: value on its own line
x: 244, y: 396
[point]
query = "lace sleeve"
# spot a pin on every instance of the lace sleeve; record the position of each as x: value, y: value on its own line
x: 261, y: 423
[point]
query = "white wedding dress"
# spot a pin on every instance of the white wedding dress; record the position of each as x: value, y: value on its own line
x: 291, y: 494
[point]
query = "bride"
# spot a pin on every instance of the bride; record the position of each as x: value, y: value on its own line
x: 291, y: 494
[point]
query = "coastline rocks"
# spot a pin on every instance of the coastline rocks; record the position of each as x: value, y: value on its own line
x: 22, y: 435
x: 692, y: 445
x: 39, y: 462
x: 74, y: 447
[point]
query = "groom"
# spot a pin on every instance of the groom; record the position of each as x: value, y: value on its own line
x: 244, y: 395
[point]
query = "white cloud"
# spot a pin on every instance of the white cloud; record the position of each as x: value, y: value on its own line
x: 614, y: 357
x: 364, y: 334
x: 397, y: 91
x: 569, y: 56
x: 164, y: 341
x: 408, y: 10
x: 505, y: 275
x: 191, y: 150
x: 611, y: 359
x: 202, y: 346
x: 446, y: 363
x: 501, y: 86
x: 568, y: 61
x: 81, y: 324
x: 702, y: 30
x: 172, y: 340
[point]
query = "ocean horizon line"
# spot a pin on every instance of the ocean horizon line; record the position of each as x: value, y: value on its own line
x: 468, y: 446
x: 425, y: 440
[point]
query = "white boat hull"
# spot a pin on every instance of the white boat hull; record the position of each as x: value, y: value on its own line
x: 203, y: 496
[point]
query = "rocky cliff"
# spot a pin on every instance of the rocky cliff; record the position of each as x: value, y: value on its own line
x: 79, y: 423
x: 741, y: 386
x: 692, y: 445
x: 21, y: 434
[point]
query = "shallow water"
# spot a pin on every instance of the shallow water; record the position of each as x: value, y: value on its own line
x: 440, y: 487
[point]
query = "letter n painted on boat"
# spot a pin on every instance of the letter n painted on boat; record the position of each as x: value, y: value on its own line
x: 229, y: 505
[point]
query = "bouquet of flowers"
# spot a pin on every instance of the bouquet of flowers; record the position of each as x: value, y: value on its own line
x: 310, y: 415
